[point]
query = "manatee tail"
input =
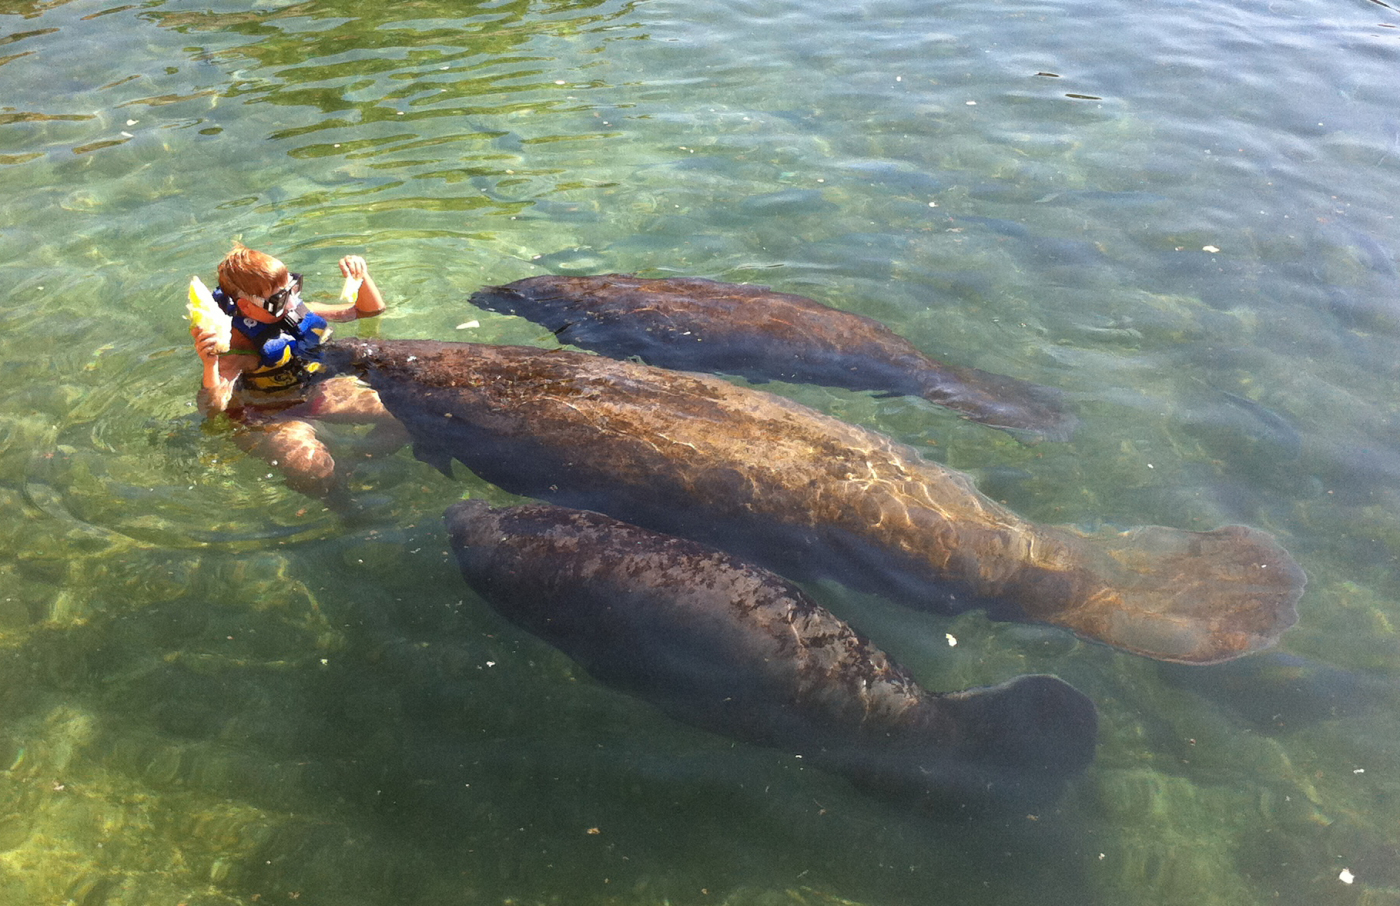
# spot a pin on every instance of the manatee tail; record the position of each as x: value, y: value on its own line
x: 1189, y: 597
x: 1029, y: 412
x: 1038, y: 725
x: 1013, y: 745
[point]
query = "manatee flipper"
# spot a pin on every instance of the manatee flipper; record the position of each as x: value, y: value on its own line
x: 729, y: 647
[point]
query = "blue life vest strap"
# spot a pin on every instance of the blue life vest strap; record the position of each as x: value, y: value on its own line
x: 297, y: 334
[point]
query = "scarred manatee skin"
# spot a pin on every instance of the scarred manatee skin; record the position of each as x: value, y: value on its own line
x: 693, y: 324
x: 808, y: 495
x: 726, y: 646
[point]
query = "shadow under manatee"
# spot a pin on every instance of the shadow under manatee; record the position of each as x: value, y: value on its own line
x: 1277, y: 692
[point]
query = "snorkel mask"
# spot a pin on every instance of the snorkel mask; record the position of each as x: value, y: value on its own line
x: 283, y: 301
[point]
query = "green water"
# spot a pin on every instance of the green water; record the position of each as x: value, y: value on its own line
x: 212, y: 691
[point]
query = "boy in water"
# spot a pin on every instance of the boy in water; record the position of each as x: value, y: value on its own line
x: 267, y: 380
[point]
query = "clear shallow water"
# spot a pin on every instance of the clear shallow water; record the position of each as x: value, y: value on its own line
x: 213, y: 692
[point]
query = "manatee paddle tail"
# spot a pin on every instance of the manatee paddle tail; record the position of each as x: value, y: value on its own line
x: 726, y: 646
x: 776, y: 483
x: 693, y: 324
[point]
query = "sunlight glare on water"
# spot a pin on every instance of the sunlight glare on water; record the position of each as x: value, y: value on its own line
x: 214, y: 691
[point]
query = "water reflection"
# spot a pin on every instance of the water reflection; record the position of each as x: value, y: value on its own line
x: 213, y: 691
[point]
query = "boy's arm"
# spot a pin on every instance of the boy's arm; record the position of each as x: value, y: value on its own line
x: 220, y: 371
x: 368, y: 302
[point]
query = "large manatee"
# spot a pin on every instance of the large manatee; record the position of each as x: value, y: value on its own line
x: 693, y: 324
x: 719, y: 644
x: 775, y: 482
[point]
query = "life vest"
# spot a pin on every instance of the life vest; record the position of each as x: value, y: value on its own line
x: 288, y: 349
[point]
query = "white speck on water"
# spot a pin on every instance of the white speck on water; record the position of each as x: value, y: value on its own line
x: 1346, y: 877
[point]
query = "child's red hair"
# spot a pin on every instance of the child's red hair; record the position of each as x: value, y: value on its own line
x: 245, y: 272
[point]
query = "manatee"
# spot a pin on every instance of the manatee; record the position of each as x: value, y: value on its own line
x: 701, y: 325
x: 723, y: 645
x: 807, y: 495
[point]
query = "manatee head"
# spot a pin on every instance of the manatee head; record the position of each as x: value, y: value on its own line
x: 474, y: 527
